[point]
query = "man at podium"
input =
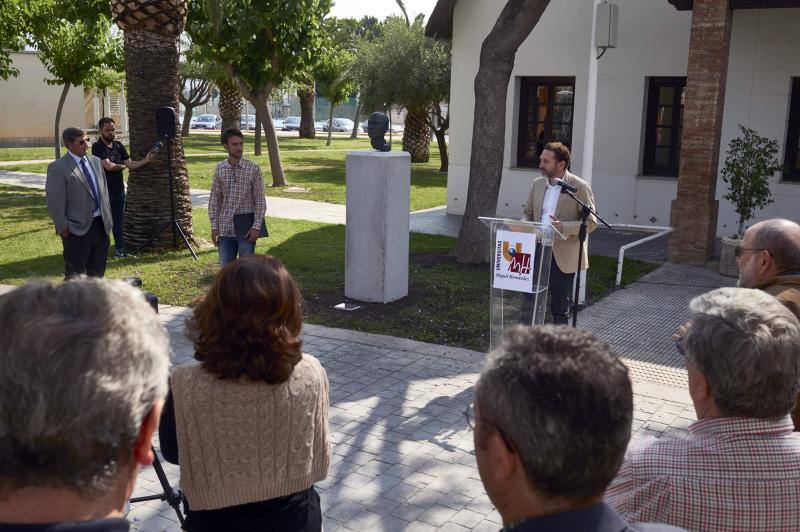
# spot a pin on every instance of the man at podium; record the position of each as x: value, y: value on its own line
x: 547, y: 204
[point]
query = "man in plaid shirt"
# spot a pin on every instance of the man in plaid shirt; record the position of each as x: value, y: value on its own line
x: 739, y: 467
x: 237, y: 189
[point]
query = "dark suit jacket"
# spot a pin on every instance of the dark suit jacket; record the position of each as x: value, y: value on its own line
x: 69, y: 196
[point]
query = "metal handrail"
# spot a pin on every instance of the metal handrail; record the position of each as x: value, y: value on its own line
x: 662, y: 231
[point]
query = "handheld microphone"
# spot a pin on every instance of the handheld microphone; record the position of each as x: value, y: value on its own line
x: 157, y: 146
x: 564, y: 186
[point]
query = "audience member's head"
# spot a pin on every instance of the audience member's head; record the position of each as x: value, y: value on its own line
x: 742, y: 355
x: 768, y: 249
x: 552, y: 416
x: 82, y: 381
x: 248, y: 324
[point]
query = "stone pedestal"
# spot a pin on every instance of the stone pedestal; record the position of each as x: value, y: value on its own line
x: 376, y: 244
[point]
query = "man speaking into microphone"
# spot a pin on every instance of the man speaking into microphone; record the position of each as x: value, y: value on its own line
x: 547, y: 204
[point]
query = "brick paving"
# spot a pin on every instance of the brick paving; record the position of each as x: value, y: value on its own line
x: 402, y: 454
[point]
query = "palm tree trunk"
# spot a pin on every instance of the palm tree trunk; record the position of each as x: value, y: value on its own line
x: 307, y: 97
x: 354, y: 134
x: 230, y: 105
x: 417, y: 135
x: 151, y: 69
x: 57, y: 136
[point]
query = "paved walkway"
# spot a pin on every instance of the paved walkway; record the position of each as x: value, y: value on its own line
x: 403, y: 456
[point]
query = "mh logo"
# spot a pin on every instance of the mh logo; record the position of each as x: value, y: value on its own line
x: 519, y: 262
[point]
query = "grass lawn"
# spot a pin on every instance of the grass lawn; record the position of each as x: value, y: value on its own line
x: 308, y: 163
x: 446, y: 304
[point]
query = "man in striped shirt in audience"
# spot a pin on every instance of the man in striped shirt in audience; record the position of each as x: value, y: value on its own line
x: 739, y: 467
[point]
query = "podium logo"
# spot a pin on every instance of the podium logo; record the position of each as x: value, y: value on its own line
x: 518, y: 262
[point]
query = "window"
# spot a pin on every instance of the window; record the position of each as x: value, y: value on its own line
x: 662, y: 143
x: 545, y: 115
x: 792, y: 158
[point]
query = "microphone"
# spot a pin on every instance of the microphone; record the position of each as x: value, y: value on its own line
x: 157, y: 146
x: 564, y: 186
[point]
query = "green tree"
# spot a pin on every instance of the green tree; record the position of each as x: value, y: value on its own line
x: 260, y: 44
x: 195, y: 85
x: 406, y: 68
x: 75, y: 45
x: 334, y: 77
x: 750, y: 162
x: 12, y: 34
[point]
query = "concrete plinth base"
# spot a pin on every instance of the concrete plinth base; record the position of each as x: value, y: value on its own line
x: 376, y: 243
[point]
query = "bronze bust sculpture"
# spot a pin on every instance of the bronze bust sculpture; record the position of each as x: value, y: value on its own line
x: 377, y: 126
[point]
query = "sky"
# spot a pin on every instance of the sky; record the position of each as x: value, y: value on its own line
x: 380, y: 8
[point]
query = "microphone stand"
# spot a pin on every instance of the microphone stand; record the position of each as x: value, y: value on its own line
x: 585, y: 212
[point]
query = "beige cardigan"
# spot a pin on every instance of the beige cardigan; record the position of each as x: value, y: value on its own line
x: 241, y: 441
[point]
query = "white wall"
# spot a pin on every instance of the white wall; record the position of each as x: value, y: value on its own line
x: 653, y: 40
x: 765, y: 55
x: 29, y: 104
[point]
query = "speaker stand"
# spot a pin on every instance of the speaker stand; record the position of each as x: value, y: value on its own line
x: 176, y: 228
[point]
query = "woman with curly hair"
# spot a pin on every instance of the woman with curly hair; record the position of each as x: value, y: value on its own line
x: 249, y: 424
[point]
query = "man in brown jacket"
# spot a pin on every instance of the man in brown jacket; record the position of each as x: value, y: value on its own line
x: 546, y: 204
x: 769, y: 259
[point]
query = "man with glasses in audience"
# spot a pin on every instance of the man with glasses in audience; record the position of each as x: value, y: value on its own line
x: 77, y: 200
x: 82, y: 385
x: 769, y: 259
x: 552, y: 417
x: 739, y: 467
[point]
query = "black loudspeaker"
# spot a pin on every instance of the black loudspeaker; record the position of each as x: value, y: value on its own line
x: 165, y: 122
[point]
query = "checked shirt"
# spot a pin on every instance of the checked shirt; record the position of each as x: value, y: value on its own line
x: 728, y: 474
x: 236, y: 190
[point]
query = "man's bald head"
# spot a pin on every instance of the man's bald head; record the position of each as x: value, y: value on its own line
x: 781, y: 238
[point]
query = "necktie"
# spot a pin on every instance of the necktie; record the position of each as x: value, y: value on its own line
x: 86, y: 173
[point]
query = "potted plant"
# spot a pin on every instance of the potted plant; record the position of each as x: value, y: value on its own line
x: 750, y: 162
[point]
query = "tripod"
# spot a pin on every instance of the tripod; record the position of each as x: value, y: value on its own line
x: 173, y: 497
x: 585, y: 212
x: 176, y: 228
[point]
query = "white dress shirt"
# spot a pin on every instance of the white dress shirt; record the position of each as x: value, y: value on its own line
x: 551, y: 194
x: 91, y: 177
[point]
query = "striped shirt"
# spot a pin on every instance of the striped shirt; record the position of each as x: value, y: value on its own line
x: 236, y: 190
x: 728, y: 474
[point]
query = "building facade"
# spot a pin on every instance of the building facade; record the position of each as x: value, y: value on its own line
x: 658, y: 81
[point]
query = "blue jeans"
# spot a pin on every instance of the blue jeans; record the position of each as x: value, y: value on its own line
x: 230, y: 246
x: 117, y: 212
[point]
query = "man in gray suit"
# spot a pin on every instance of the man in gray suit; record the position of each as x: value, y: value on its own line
x: 77, y: 199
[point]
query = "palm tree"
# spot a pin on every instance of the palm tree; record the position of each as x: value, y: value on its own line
x: 230, y: 102
x: 417, y: 135
x: 152, y: 29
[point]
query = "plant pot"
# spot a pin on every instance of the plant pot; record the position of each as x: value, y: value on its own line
x: 727, y: 257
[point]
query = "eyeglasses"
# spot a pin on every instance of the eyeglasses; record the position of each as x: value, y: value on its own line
x: 738, y: 252
x: 469, y: 413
